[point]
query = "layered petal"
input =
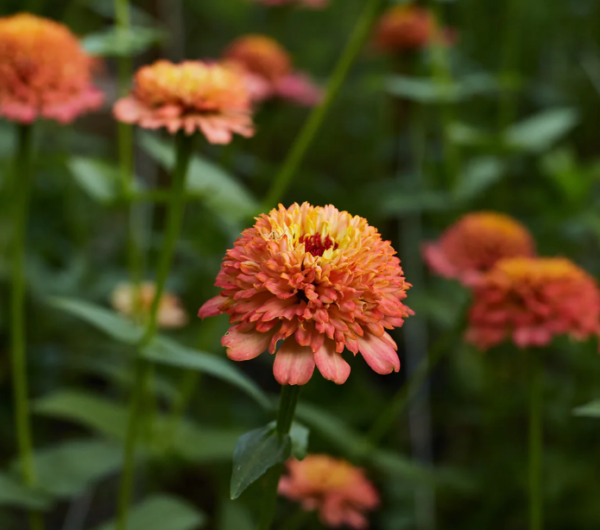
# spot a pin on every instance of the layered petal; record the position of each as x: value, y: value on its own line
x: 379, y: 354
x: 243, y: 346
x: 331, y: 364
x: 294, y: 364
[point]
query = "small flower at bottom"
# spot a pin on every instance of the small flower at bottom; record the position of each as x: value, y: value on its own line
x: 171, y: 314
x: 475, y: 243
x: 269, y: 72
x: 44, y: 71
x: 189, y: 96
x: 319, y: 280
x: 533, y: 300
x: 338, y: 490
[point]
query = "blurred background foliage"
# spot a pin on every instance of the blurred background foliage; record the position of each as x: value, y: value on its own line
x: 505, y: 119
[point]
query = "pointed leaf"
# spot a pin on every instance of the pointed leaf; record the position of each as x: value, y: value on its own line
x: 97, y: 178
x: 479, y: 174
x: 117, y: 42
x: 590, y: 410
x: 539, y: 132
x: 255, y: 453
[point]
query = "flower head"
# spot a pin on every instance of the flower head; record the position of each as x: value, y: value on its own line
x: 533, y: 300
x: 44, y: 72
x: 269, y: 71
x: 319, y: 280
x: 189, y: 96
x: 406, y: 28
x: 313, y: 4
x: 170, y: 311
x: 338, y: 490
x: 474, y: 244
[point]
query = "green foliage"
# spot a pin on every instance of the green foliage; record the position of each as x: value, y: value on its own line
x: 114, y: 42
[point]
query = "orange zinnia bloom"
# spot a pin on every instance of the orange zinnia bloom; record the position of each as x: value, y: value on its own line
x: 338, y: 490
x: 269, y: 71
x: 171, y: 314
x: 189, y: 96
x: 533, y: 300
x: 44, y: 72
x: 319, y: 280
x: 474, y: 244
x: 409, y: 28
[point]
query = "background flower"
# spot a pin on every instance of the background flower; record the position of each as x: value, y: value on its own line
x: 44, y: 72
x: 532, y: 300
x: 318, y: 279
x: 337, y: 489
x: 190, y: 96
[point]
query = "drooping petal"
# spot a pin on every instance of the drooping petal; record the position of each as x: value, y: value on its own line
x: 294, y: 364
x: 331, y: 364
x: 379, y: 355
x: 212, y: 307
x: 245, y: 346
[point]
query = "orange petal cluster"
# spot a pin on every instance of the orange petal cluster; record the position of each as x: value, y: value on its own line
x: 407, y: 28
x: 337, y: 489
x: 319, y: 281
x: 171, y: 314
x: 44, y: 72
x: 475, y: 243
x: 532, y: 300
x: 189, y: 96
x: 269, y: 71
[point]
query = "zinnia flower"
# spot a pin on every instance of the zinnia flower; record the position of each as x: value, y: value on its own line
x: 170, y: 312
x: 338, y: 490
x: 189, y: 96
x: 313, y: 4
x: 533, y: 300
x: 474, y: 244
x: 269, y: 72
x: 44, y: 72
x: 319, y: 280
x: 409, y: 28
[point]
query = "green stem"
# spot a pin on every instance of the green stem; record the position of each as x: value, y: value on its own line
x: 535, y: 442
x: 360, y: 33
x: 22, y: 192
x: 285, y: 417
x: 184, y: 145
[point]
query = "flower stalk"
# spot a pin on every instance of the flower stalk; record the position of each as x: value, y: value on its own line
x: 184, y: 146
x: 287, y: 408
x: 535, y: 441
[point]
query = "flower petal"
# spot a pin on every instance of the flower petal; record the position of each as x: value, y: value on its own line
x: 294, y: 364
x: 211, y: 308
x: 245, y: 346
x: 379, y: 355
x: 331, y: 364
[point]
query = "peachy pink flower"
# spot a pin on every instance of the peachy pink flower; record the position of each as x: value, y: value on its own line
x: 190, y: 96
x: 318, y: 280
x: 337, y: 489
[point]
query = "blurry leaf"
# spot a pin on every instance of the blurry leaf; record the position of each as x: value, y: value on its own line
x: 479, y: 174
x: 117, y: 42
x: 427, y: 90
x: 464, y: 134
x: 94, y: 412
x: 410, y: 202
x: 591, y: 410
x: 541, y: 131
x: 105, y: 320
x: 204, y: 444
x: 162, y: 512
x: 299, y: 435
x: 68, y: 469
x: 219, y: 190
x: 169, y: 352
x: 256, y: 452
x: 394, y: 464
x: 13, y: 493
x: 96, y: 177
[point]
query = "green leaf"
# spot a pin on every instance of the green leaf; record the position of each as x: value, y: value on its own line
x: 68, y: 469
x: 219, y: 190
x: 13, y: 493
x: 255, y: 453
x: 590, y: 410
x: 169, y: 352
x: 205, y: 445
x: 95, y: 177
x: 162, y: 512
x: 94, y: 412
x: 103, y: 319
x: 399, y: 466
x: 410, y: 202
x: 118, y: 42
x: 299, y: 435
x: 538, y: 133
x: 427, y: 90
x: 479, y: 175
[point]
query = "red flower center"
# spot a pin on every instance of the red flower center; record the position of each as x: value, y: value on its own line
x: 316, y: 245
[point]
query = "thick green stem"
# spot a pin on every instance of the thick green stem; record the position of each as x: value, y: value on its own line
x: 184, y: 146
x: 22, y: 191
x: 285, y: 417
x: 360, y: 33
x: 535, y: 442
